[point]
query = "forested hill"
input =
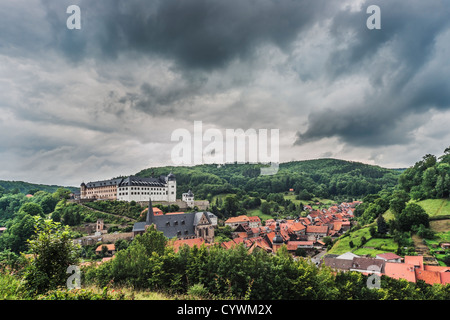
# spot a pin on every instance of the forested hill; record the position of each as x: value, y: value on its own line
x: 325, y: 178
x: 26, y: 187
x: 429, y: 178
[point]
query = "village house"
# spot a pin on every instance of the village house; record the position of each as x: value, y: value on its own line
x: 234, y: 222
x: 316, y: 232
x: 110, y: 249
x: 412, y: 270
x: 368, y: 265
x: 254, y: 222
x: 389, y: 257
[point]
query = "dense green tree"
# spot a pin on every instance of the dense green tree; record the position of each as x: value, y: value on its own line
x: 230, y: 206
x: 53, y: 252
x: 152, y: 240
x: 18, y: 231
x: 33, y: 209
x: 398, y: 201
x: 412, y: 215
x: 265, y: 208
x: 382, y: 227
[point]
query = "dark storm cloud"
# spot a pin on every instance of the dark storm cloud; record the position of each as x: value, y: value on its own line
x: 398, y: 63
x: 203, y: 34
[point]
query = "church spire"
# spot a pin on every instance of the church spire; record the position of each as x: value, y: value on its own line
x: 150, y: 213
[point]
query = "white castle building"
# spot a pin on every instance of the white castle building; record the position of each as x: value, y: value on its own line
x: 163, y: 188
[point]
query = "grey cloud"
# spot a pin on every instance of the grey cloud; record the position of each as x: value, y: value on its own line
x: 196, y: 34
x: 408, y: 85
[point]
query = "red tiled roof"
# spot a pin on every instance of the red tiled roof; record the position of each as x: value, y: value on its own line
x: 388, y: 256
x: 436, y: 268
x: 241, y: 234
x: 429, y: 277
x: 296, y: 227
x: 337, y: 225
x: 228, y: 244
x: 237, y: 219
x: 110, y: 247
x: 414, y: 260
x: 254, y: 219
x: 400, y: 271
x: 445, y: 277
x: 156, y: 211
x: 189, y: 242
x: 316, y: 229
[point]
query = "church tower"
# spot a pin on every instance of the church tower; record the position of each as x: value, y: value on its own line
x: 277, y: 241
x: 150, y: 215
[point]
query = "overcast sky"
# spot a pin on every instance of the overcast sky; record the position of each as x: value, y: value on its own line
x: 103, y: 101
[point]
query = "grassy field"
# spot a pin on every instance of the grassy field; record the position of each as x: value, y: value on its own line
x: 436, y: 207
x: 372, y: 247
x: 343, y: 244
x: 257, y: 212
x: 388, y: 215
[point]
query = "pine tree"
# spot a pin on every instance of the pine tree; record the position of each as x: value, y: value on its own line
x: 381, y: 225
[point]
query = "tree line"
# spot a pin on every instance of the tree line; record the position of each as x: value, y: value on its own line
x: 214, y: 272
x: 325, y: 178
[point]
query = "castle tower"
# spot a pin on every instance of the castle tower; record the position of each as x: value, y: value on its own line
x: 100, y: 225
x: 83, y: 191
x: 188, y: 197
x: 171, y: 187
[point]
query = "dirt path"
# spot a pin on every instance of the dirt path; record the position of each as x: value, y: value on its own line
x: 423, y: 250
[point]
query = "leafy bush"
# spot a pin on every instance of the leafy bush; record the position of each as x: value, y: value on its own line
x: 198, y: 290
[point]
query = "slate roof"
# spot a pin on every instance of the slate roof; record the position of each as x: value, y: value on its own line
x: 341, y: 264
x: 139, y: 181
x: 370, y: 264
x: 104, y: 183
x: 132, y: 181
x: 173, y: 225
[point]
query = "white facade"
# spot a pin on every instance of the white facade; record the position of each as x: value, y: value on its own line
x: 188, y: 197
x: 138, y: 189
x: 141, y: 193
x: 171, y: 190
